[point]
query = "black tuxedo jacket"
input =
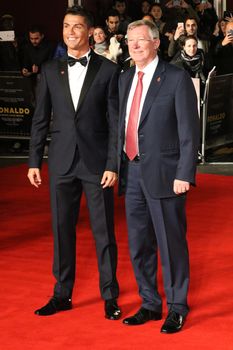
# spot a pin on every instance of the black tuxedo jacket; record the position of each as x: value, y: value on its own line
x: 168, y: 132
x: 91, y: 128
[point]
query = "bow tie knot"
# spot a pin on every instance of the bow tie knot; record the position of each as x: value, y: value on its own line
x: 71, y: 61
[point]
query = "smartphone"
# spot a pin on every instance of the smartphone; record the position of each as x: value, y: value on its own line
x: 230, y: 32
x: 180, y: 25
x: 204, y: 1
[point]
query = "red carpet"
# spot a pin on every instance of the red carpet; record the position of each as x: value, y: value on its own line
x: 26, y: 280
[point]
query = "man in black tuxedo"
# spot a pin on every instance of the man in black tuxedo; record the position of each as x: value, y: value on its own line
x: 81, y: 92
x: 158, y: 145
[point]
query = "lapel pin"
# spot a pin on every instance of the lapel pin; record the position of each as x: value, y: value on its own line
x: 158, y: 79
x: 62, y: 72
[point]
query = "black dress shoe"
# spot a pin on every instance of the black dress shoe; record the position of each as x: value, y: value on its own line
x: 142, y: 316
x: 54, y: 305
x: 112, y: 310
x: 173, y: 323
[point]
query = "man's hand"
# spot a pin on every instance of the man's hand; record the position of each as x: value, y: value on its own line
x: 169, y: 35
x: 180, y: 186
x: 203, y: 6
x: 34, y: 176
x: 109, y: 179
x: 229, y: 19
x: 184, y: 4
x: 169, y: 4
x: 179, y: 31
x: 26, y: 72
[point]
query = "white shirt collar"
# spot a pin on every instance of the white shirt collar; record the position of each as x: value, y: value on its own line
x: 150, y: 67
x: 87, y: 55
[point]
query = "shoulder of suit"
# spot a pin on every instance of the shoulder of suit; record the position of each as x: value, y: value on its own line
x: 52, y: 63
x: 104, y: 60
x: 172, y: 68
x: 129, y: 71
x: 107, y: 63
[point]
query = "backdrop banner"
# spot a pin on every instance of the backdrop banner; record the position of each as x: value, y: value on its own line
x: 219, y: 116
x: 16, y: 104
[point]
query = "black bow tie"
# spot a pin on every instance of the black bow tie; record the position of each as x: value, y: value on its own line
x: 71, y: 61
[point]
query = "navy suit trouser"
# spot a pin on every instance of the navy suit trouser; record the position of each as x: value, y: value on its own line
x: 157, y: 225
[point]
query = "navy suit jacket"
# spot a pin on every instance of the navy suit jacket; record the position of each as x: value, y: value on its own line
x: 91, y: 128
x: 168, y: 133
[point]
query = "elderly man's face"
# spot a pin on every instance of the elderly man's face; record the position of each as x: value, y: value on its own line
x: 142, y: 47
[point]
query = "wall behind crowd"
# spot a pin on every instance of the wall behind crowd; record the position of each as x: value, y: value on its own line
x: 28, y: 12
x: 229, y: 4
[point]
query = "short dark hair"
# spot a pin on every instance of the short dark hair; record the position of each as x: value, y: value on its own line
x: 112, y: 13
x: 191, y: 19
x: 122, y: 1
x: 156, y: 4
x: 79, y: 11
x: 35, y: 28
x: 184, y: 38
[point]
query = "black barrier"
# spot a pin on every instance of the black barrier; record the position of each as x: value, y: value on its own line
x: 218, y: 112
x: 16, y: 104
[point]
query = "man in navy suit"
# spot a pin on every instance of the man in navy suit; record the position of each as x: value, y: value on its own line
x: 157, y: 163
x: 81, y: 91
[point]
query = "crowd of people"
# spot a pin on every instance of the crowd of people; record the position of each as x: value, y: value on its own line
x: 175, y: 21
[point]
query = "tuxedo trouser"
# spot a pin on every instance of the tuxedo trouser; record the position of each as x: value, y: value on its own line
x: 66, y: 192
x: 157, y: 224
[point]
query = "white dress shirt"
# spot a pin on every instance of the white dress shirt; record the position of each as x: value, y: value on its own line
x: 76, y: 76
x: 146, y: 80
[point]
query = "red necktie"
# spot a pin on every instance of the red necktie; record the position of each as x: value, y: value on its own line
x: 132, y: 127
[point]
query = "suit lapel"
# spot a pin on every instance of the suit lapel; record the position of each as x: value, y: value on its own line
x: 92, y: 70
x: 153, y: 90
x: 63, y: 73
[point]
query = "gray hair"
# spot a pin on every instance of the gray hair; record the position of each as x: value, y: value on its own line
x: 152, y: 28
